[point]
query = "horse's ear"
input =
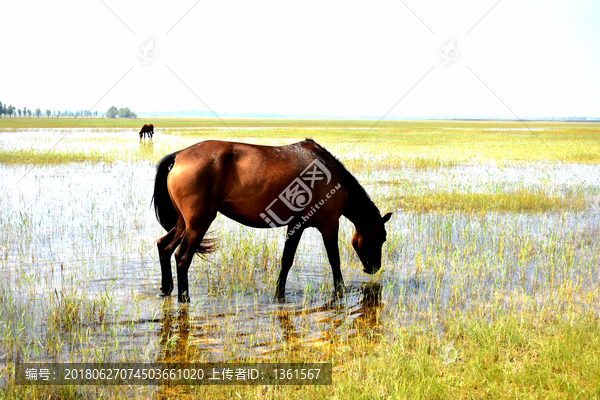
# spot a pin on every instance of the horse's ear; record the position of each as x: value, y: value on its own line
x: 386, y: 217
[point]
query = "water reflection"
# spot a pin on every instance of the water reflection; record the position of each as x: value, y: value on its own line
x: 146, y: 147
x: 174, y: 334
x: 370, y: 308
x: 293, y: 328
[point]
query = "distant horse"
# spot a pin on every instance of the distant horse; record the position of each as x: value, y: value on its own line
x: 300, y: 185
x: 147, y: 129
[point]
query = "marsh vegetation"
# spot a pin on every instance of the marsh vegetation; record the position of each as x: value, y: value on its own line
x: 489, y: 280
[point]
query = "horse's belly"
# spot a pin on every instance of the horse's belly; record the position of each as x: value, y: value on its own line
x: 258, y: 215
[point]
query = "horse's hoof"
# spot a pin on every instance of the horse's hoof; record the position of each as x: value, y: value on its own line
x: 183, y: 298
x: 280, y: 296
x: 163, y: 295
x: 280, y: 299
x: 339, y: 292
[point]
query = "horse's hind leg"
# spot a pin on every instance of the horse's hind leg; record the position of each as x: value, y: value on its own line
x: 192, y: 238
x: 166, y: 246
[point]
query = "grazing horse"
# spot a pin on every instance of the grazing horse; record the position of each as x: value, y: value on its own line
x: 300, y: 185
x: 147, y: 129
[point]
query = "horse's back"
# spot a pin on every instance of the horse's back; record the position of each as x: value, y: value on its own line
x: 242, y: 180
x: 251, y: 163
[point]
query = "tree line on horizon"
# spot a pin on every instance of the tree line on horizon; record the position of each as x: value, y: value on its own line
x: 112, y: 112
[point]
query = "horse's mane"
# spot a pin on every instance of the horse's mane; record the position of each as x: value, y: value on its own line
x: 349, y: 179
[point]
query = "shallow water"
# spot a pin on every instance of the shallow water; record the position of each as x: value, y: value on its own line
x: 87, y: 230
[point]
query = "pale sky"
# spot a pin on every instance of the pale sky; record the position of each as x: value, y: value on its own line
x: 536, y: 58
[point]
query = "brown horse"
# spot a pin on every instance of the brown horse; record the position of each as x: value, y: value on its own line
x: 147, y: 129
x: 299, y: 186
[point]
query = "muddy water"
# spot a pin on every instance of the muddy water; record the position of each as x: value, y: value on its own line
x: 87, y: 231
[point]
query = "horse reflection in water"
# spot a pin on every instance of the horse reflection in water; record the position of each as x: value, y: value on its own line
x: 146, y: 149
x: 360, y: 318
x: 175, y: 335
x: 186, y: 339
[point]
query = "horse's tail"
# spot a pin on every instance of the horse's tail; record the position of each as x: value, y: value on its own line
x: 163, y: 206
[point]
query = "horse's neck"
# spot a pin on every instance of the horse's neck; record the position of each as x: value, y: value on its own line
x: 360, y: 210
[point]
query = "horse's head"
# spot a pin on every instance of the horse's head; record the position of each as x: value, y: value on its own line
x: 368, y: 244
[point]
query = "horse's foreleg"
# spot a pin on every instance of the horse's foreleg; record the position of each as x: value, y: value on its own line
x: 166, y: 245
x: 330, y: 238
x: 287, y: 259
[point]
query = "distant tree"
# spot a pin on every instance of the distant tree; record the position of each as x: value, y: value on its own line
x: 112, y: 112
x: 38, y: 112
x: 11, y: 109
x: 1, y: 110
x: 58, y: 115
x: 19, y: 111
x: 48, y: 112
x: 125, y: 113
x: 29, y: 112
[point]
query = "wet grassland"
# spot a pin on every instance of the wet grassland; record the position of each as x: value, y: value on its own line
x: 489, y: 283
